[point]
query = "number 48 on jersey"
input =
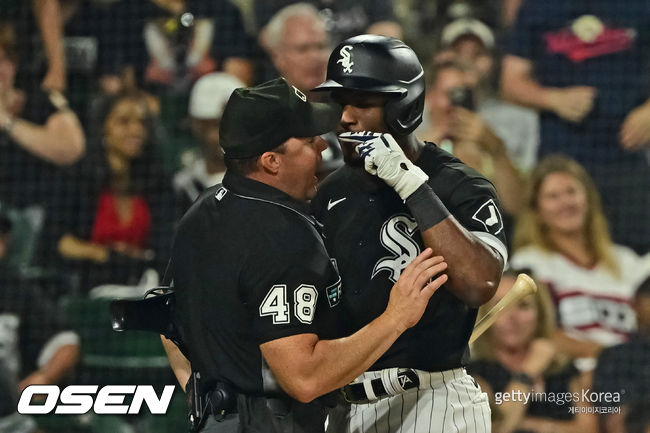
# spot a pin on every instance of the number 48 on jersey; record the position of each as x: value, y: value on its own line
x: 275, y: 304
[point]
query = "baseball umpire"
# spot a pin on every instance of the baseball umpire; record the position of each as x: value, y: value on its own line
x: 395, y: 196
x: 258, y: 298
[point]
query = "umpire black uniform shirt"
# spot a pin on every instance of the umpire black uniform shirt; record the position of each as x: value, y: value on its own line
x: 372, y: 236
x: 250, y: 266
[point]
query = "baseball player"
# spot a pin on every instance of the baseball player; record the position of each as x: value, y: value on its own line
x: 395, y: 196
x: 258, y: 297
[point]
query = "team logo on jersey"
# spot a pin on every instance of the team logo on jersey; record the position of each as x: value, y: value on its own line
x: 333, y: 292
x: 397, y: 237
x: 488, y: 215
x: 346, y: 59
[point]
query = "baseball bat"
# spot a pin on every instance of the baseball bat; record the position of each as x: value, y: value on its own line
x: 524, y: 286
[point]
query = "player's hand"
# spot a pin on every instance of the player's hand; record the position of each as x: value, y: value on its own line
x: 383, y: 157
x: 410, y: 295
x: 635, y: 132
x: 572, y: 103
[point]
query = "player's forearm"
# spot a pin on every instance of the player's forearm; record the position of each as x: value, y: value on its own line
x: 474, y: 268
x: 330, y: 364
x: 61, y: 141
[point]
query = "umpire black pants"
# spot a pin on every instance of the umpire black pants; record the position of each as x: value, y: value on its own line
x: 262, y: 415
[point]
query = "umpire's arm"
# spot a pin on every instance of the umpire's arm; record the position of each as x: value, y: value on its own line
x: 177, y: 361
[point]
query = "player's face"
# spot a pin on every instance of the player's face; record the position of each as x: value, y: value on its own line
x: 361, y: 112
x: 562, y: 203
x: 124, y: 128
x: 298, y: 164
x: 515, y: 328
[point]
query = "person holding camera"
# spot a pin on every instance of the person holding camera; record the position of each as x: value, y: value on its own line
x: 459, y: 129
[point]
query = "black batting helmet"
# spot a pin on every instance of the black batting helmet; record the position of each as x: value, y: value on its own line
x: 379, y: 64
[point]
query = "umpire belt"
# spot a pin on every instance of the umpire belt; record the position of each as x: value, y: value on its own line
x: 375, y: 385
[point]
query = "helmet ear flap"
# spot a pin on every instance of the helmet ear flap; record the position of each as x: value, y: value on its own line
x: 403, y: 117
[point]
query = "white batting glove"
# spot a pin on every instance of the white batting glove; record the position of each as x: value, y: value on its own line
x: 383, y: 157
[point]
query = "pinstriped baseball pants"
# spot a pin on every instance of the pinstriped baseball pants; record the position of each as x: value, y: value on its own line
x: 448, y: 401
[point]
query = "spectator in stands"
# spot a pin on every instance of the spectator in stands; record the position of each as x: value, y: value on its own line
x: 584, y: 66
x: 35, y: 349
x: 5, y: 236
x: 38, y: 128
x: 39, y: 135
x: 168, y: 44
x: 456, y: 127
x: 297, y: 42
x: 625, y: 369
x: 637, y: 417
x: 562, y: 236
x: 343, y: 19
x: 517, y: 354
x: 50, y: 23
x: 207, y: 101
x: 122, y: 221
x: 472, y: 43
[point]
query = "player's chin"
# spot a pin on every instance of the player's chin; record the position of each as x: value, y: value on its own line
x: 350, y: 155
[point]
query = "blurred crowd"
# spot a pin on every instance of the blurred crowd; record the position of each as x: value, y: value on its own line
x: 109, y: 130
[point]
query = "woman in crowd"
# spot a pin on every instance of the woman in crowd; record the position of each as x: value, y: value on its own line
x: 39, y: 136
x: 562, y: 236
x: 516, y: 356
x: 124, y: 211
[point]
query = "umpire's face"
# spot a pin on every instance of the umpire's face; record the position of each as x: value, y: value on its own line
x: 297, y: 165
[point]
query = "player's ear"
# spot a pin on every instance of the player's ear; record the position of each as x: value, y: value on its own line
x: 270, y: 162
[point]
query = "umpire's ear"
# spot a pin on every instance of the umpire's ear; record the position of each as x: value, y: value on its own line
x: 269, y: 162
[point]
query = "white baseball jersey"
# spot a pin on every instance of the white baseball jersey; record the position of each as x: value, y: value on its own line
x: 591, y: 303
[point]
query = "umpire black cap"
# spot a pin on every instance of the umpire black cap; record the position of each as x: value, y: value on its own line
x: 258, y: 119
x: 379, y: 64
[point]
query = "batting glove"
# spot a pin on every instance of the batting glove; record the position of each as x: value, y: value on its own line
x: 383, y: 157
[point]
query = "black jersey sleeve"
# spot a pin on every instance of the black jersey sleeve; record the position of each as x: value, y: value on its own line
x: 288, y: 284
x: 471, y: 199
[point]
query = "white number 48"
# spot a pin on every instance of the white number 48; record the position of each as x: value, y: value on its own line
x: 275, y: 304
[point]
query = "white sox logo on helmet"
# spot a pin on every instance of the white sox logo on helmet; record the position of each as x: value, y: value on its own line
x: 397, y: 237
x: 346, y: 59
